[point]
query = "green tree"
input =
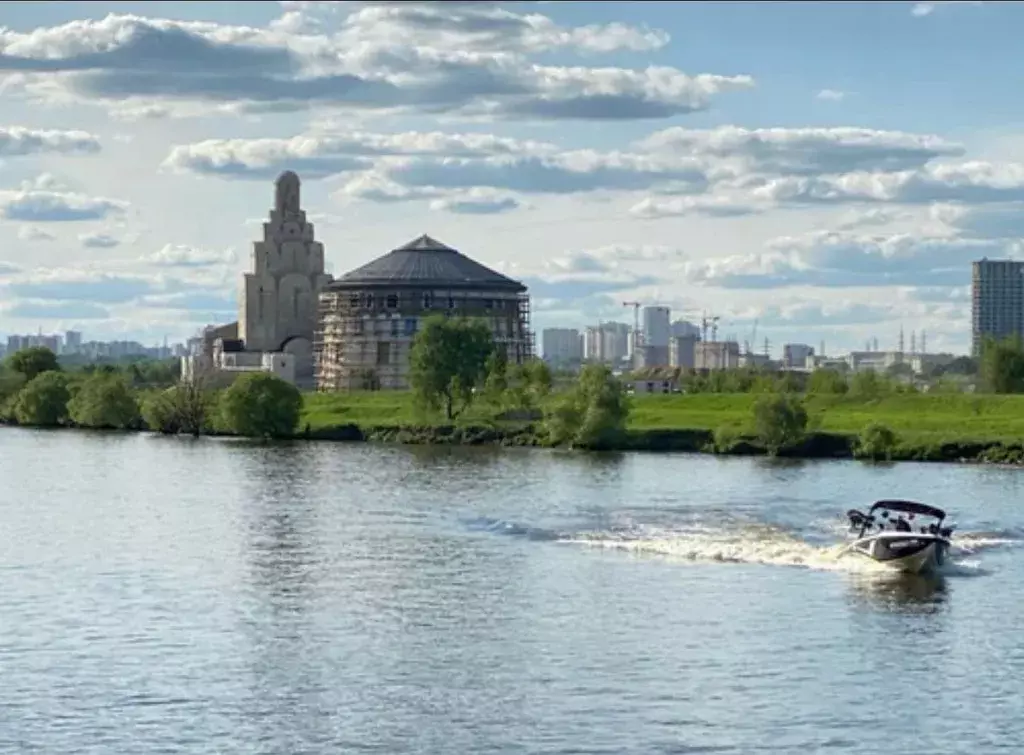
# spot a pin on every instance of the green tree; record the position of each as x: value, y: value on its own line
x: 261, y: 405
x: 876, y: 441
x: 33, y: 361
x: 780, y: 419
x: 447, y: 362
x: 825, y: 380
x: 159, y: 412
x: 1002, y: 366
x: 592, y: 414
x: 104, y: 401
x: 43, y: 401
x: 496, y: 378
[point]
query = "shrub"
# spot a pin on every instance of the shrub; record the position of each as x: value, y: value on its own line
x: 780, y: 419
x: 593, y: 414
x: 261, y: 405
x: 104, y: 401
x: 43, y: 401
x: 876, y: 441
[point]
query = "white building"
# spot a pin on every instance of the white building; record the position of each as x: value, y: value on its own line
x: 607, y: 343
x: 278, y: 302
x: 683, y: 351
x: 562, y: 347
x: 657, y: 327
x: 717, y: 355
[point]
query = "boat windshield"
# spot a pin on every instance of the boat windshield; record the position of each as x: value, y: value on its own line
x: 899, y: 516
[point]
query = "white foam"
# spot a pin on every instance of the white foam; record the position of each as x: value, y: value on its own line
x: 755, y: 545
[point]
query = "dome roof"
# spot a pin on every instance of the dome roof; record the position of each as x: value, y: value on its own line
x: 425, y: 261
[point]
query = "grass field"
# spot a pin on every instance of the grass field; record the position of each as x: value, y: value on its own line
x: 916, y: 418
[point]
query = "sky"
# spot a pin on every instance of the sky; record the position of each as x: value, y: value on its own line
x: 819, y: 171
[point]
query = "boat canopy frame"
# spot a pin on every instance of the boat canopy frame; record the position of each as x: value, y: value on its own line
x: 908, y: 507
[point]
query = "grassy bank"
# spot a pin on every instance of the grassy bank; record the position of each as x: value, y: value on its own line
x: 928, y: 427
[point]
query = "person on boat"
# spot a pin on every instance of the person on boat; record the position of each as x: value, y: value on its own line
x: 902, y: 525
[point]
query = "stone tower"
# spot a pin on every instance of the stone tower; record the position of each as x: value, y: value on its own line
x: 279, y: 298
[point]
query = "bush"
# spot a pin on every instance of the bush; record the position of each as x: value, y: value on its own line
x: 876, y: 441
x: 43, y: 401
x: 261, y: 405
x: 183, y: 408
x: 779, y: 420
x: 593, y: 414
x: 104, y: 401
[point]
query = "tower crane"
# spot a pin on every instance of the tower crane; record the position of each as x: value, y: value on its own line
x: 636, y: 324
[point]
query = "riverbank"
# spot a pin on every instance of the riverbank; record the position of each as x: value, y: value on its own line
x: 954, y: 427
x: 941, y: 428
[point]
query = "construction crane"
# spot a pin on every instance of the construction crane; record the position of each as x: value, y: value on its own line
x: 636, y: 325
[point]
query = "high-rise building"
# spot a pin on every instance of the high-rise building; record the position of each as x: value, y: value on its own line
x: 562, y: 347
x: 657, y: 327
x: 997, y: 300
x: 607, y: 342
x: 72, y: 341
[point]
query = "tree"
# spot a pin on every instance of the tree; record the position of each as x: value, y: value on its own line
x: 104, y: 401
x: 876, y: 441
x: 33, y: 361
x: 779, y: 420
x: 593, y: 414
x: 1002, y: 366
x: 447, y: 362
x: 182, y: 408
x: 44, y: 400
x: 825, y: 380
x: 496, y: 378
x: 261, y: 405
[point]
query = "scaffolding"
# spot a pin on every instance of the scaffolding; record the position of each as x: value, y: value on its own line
x: 364, y: 334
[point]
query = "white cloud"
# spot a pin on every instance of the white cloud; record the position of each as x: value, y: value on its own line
x: 832, y: 95
x: 474, y: 58
x: 16, y: 141
x: 98, y: 240
x: 41, y: 206
x: 34, y: 233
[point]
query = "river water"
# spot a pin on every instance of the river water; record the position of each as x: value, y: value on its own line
x: 215, y: 596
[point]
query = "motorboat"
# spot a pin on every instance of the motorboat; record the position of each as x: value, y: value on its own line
x: 886, y: 534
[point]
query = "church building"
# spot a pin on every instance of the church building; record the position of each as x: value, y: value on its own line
x: 277, y: 303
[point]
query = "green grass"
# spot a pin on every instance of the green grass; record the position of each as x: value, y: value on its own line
x: 916, y: 418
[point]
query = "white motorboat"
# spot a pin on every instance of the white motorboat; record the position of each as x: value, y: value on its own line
x: 887, y: 535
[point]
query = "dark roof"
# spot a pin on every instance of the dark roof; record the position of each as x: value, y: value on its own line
x: 426, y: 262
x: 910, y: 507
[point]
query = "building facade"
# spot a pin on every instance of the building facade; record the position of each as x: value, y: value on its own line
x: 997, y: 301
x: 607, y: 343
x: 277, y: 304
x: 369, y: 317
x: 657, y: 327
x: 562, y: 347
x: 795, y: 354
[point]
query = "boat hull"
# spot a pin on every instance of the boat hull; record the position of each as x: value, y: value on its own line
x: 909, y: 554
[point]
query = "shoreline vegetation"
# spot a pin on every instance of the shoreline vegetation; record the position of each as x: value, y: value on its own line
x: 463, y: 393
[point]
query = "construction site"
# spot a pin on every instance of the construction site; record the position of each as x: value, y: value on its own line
x: 369, y: 317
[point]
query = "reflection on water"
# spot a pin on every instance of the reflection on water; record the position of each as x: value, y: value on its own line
x: 900, y: 593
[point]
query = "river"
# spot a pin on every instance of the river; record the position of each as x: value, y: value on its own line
x: 217, y: 596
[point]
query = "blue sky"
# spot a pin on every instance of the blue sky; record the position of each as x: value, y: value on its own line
x: 828, y: 170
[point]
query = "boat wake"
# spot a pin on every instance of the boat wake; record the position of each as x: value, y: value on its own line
x: 744, y: 542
